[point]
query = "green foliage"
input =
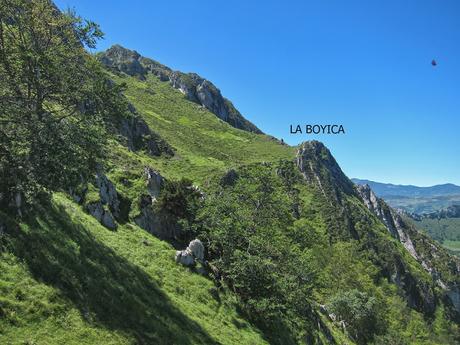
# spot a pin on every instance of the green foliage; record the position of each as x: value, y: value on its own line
x: 360, y: 312
x: 247, y: 229
x: 179, y: 199
x: 281, y: 245
x: 54, y: 99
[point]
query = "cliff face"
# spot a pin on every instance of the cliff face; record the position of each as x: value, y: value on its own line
x: 392, y: 220
x: 426, y: 251
x: 194, y: 87
x: 320, y: 169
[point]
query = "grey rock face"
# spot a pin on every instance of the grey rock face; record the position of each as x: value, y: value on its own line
x: 319, y: 167
x: 420, y: 296
x: 154, y: 182
x: 124, y: 60
x: 107, y: 209
x: 147, y: 219
x: 108, y: 193
x: 104, y: 216
x: 392, y: 220
x: 194, y: 87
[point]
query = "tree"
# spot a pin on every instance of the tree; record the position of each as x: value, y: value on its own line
x: 360, y: 313
x: 54, y: 98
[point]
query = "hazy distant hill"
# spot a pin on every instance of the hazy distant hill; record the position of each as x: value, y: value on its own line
x: 385, y: 189
x: 416, y: 199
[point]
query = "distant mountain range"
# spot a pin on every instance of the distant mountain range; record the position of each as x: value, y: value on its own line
x: 386, y: 189
x: 415, y: 199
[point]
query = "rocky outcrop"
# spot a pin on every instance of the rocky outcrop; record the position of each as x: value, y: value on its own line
x: 149, y: 218
x: 107, y: 209
x: 192, y: 254
x: 422, y: 249
x: 102, y: 214
x: 155, y: 182
x: 392, y: 220
x: 108, y: 193
x: 194, y: 87
x: 319, y: 167
x: 420, y: 295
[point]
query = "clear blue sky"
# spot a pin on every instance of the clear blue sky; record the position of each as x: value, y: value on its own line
x: 363, y: 64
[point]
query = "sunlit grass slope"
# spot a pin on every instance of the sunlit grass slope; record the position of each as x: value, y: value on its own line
x: 65, y: 279
x: 204, y: 143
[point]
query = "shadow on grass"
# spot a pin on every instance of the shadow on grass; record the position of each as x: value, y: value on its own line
x: 108, y: 290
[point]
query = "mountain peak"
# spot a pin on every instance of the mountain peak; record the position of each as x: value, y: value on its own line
x: 194, y: 87
x: 318, y: 166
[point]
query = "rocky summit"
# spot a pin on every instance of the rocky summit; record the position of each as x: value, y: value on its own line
x: 194, y: 87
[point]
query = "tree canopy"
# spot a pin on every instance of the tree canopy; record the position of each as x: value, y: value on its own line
x: 54, y: 98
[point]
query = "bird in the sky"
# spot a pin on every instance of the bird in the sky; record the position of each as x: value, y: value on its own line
x: 434, y: 63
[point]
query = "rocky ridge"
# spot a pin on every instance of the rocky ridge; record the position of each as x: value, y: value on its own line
x: 194, y: 87
x: 407, y: 234
x: 320, y: 169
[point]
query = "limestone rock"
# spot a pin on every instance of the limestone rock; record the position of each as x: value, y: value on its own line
x: 319, y: 167
x: 420, y: 295
x: 108, y: 193
x: 154, y: 182
x: 197, y: 249
x: 104, y: 216
x: 185, y: 257
x: 190, y: 255
x: 107, y: 209
x: 124, y: 60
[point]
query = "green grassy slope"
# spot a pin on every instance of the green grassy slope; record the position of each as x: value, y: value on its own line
x: 204, y: 143
x: 65, y: 279
x: 68, y: 280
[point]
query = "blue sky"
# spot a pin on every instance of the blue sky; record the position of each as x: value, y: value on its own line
x: 363, y: 64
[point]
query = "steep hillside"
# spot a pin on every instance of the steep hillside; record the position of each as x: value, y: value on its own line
x: 151, y: 212
x: 67, y: 279
x: 203, y: 144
